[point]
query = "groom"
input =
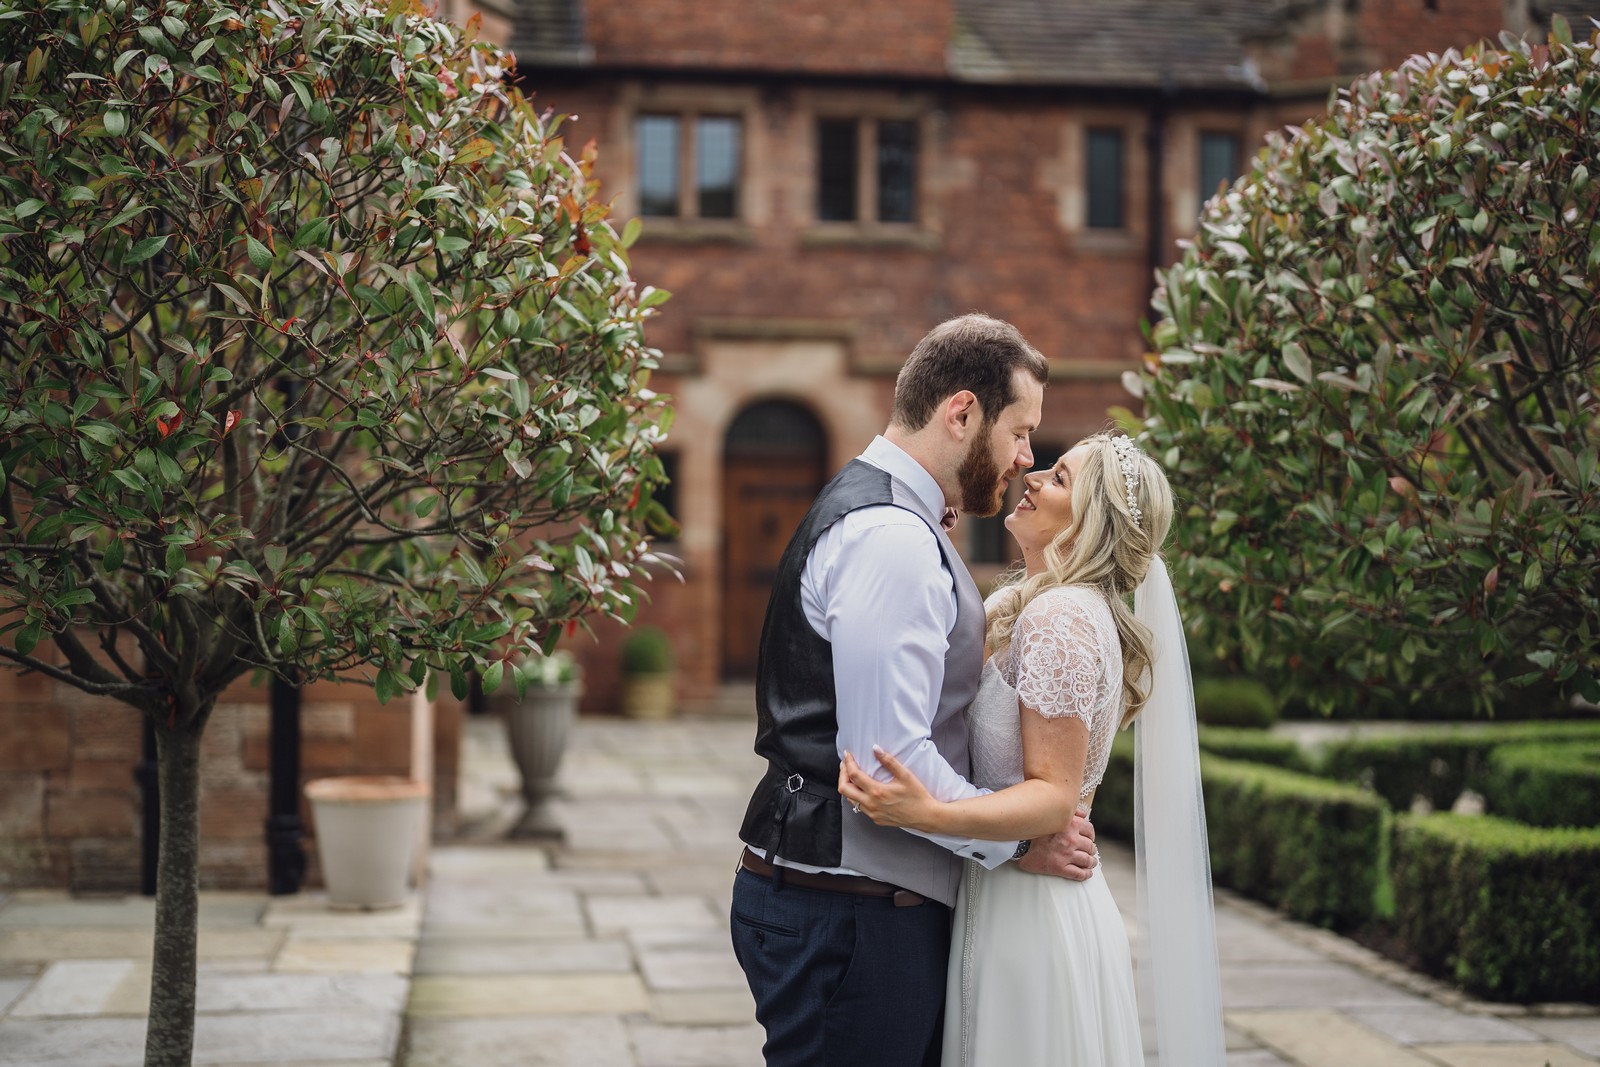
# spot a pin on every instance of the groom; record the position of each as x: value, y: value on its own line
x: 874, y: 635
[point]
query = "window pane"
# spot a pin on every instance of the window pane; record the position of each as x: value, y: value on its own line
x: 717, y: 166
x: 657, y: 137
x: 1105, y: 179
x: 1219, y: 162
x: 837, y: 172
x: 897, y: 171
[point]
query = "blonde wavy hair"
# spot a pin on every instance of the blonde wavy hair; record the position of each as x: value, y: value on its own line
x: 1104, y: 548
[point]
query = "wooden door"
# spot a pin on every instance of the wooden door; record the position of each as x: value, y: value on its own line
x: 769, y: 480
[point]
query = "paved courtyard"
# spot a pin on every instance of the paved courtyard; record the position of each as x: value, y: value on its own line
x: 612, y: 951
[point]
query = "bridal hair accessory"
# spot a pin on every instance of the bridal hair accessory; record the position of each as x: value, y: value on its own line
x: 1179, y: 986
x: 1127, y: 459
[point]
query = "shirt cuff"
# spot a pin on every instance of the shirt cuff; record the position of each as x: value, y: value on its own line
x: 988, y: 854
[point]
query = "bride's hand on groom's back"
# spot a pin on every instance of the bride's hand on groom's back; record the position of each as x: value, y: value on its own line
x: 1070, y: 854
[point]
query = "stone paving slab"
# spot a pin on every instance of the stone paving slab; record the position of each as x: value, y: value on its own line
x: 72, y: 1042
x: 295, y: 1037
x: 334, y: 956
x: 611, y: 915
x: 111, y: 942
x: 688, y: 968
x: 1322, y: 984
x: 53, y: 908
x: 567, y: 994
x: 74, y: 987
x: 309, y: 915
x: 702, y: 1007
x: 697, y: 1046
x: 521, y: 956
x: 11, y: 990
x: 590, y: 1041
x: 1258, y: 1057
x: 1581, y: 1034
x: 1506, y: 1056
x: 1431, y: 1024
x: 1324, y: 1039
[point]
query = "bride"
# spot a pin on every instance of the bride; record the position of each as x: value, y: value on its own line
x: 1040, y: 971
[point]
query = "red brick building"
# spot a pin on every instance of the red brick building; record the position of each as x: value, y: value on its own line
x: 821, y: 181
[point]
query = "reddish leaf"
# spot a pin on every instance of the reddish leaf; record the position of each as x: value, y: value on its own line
x: 230, y: 422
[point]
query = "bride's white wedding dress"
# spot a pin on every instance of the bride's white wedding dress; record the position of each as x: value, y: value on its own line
x: 1040, y: 971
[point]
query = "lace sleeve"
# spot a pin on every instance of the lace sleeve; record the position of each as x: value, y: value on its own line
x: 1059, y: 657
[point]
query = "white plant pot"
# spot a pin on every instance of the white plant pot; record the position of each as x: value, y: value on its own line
x: 367, y: 834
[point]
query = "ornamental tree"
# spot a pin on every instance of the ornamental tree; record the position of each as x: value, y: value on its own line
x: 1376, y: 385
x: 318, y: 356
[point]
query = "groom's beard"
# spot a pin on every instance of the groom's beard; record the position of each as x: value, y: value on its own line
x: 982, y: 490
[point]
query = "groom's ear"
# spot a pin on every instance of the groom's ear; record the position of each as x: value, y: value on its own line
x: 962, y: 414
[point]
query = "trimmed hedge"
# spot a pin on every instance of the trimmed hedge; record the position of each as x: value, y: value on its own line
x: 1509, y: 911
x: 1315, y: 849
x: 1255, y: 746
x: 1240, y: 702
x: 1437, y: 763
x: 1548, y: 784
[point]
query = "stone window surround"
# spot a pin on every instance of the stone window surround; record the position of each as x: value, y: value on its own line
x: 1068, y: 176
x: 688, y: 103
x: 1182, y: 180
x: 867, y: 109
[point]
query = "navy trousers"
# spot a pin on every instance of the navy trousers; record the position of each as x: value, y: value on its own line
x: 842, y: 980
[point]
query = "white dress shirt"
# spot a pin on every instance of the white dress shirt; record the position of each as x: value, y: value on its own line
x: 876, y: 587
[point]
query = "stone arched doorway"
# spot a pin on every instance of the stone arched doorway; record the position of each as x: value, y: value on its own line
x: 775, y: 460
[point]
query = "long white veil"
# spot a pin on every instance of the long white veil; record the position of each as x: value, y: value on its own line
x: 1179, y: 985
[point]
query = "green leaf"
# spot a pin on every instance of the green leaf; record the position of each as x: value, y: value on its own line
x: 27, y: 638
x: 259, y: 254
x: 112, y: 561
x: 115, y: 122
x: 492, y: 675
x: 1294, y: 358
x: 144, y: 249
x: 422, y: 296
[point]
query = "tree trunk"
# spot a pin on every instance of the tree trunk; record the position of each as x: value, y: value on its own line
x: 169, y: 1039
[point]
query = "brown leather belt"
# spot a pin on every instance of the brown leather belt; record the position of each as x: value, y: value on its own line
x: 854, y: 884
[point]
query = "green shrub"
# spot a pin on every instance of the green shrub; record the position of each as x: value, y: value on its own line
x: 1437, y: 763
x: 1234, y: 702
x: 1550, y: 784
x: 1372, y: 381
x: 1312, y: 848
x: 1113, y: 801
x: 1509, y: 911
x: 1255, y: 746
x: 647, y: 650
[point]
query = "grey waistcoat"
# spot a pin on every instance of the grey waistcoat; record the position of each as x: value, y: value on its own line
x: 795, y: 811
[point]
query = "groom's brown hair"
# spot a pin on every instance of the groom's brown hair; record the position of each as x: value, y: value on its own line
x: 973, y: 352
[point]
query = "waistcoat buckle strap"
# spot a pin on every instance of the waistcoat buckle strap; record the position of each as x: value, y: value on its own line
x: 794, y: 782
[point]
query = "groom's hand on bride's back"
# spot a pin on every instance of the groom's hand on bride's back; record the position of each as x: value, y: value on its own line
x: 1070, y: 854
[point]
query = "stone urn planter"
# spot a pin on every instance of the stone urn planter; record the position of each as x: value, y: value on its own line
x: 538, y: 726
x: 649, y: 678
x: 368, y: 829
